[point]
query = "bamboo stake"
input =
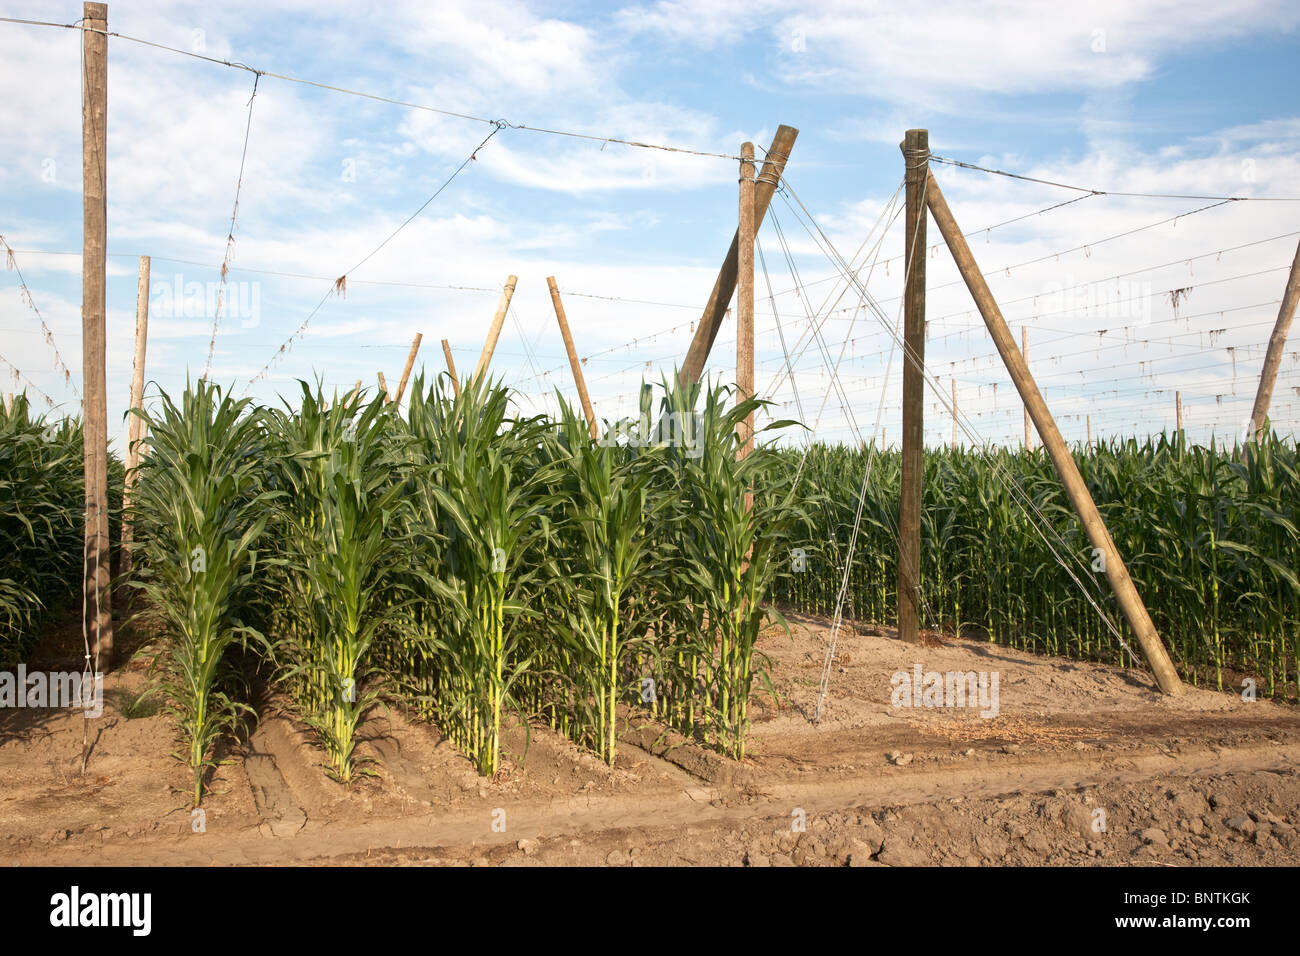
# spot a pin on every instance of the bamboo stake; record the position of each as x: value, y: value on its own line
x: 1126, y: 594
x: 916, y: 162
x: 94, y: 169
x: 495, y: 330
x: 725, y: 284
x: 573, y: 357
x: 451, y: 366
x: 1276, y: 346
x: 134, y: 425
x: 410, y: 363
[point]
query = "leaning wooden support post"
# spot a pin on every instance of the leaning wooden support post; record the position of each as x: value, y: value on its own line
x: 916, y: 161
x: 451, y: 366
x: 134, y: 424
x: 573, y: 357
x: 503, y: 305
x: 1276, y: 346
x: 1126, y: 594
x: 94, y: 172
x: 383, y: 388
x: 1024, y: 350
x: 410, y: 363
x: 725, y: 284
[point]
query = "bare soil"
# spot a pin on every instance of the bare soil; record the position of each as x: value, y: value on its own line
x: 1082, y: 765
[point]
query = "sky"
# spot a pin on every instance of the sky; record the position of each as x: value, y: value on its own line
x: 1125, y: 300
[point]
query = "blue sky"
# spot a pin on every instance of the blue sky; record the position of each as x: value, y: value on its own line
x: 1191, y: 97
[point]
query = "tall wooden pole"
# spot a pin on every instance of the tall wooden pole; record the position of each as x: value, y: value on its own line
x: 134, y: 425
x: 916, y: 159
x: 1024, y: 350
x: 451, y: 366
x: 94, y: 203
x: 725, y: 284
x: 573, y: 357
x: 1276, y: 346
x: 503, y: 305
x: 1126, y: 594
x: 745, y: 299
x: 410, y: 363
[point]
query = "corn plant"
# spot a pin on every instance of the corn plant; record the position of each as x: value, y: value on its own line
x: 598, y: 503
x: 200, y: 507
x: 41, y: 522
x: 343, y: 475
x: 479, y: 519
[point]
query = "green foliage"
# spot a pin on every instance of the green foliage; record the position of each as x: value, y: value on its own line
x: 1210, y: 538
x: 201, y: 505
x: 41, y: 523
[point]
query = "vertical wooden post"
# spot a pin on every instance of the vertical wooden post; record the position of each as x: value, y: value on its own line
x: 134, y: 426
x: 1024, y: 350
x: 451, y: 366
x: 916, y: 161
x: 383, y: 387
x: 494, y: 332
x: 410, y: 363
x: 725, y: 284
x: 573, y: 357
x: 1276, y: 346
x: 94, y: 204
x: 1076, y: 490
x: 954, y: 414
x: 1178, y: 411
x: 745, y: 298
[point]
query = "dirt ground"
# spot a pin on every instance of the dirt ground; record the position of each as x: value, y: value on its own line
x: 1082, y: 765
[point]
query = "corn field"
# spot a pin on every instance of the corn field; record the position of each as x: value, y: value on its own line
x: 1210, y: 538
x: 41, y: 522
x: 471, y: 565
x: 484, y: 570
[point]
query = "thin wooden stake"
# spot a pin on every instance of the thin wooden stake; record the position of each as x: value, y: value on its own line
x: 410, y: 363
x: 94, y: 170
x: 134, y: 425
x: 1126, y: 594
x: 954, y: 414
x: 383, y: 388
x: 1276, y: 346
x: 916, y: 161
x: 573, y: 357
x: 494, y: 331
x: 451, y: 366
